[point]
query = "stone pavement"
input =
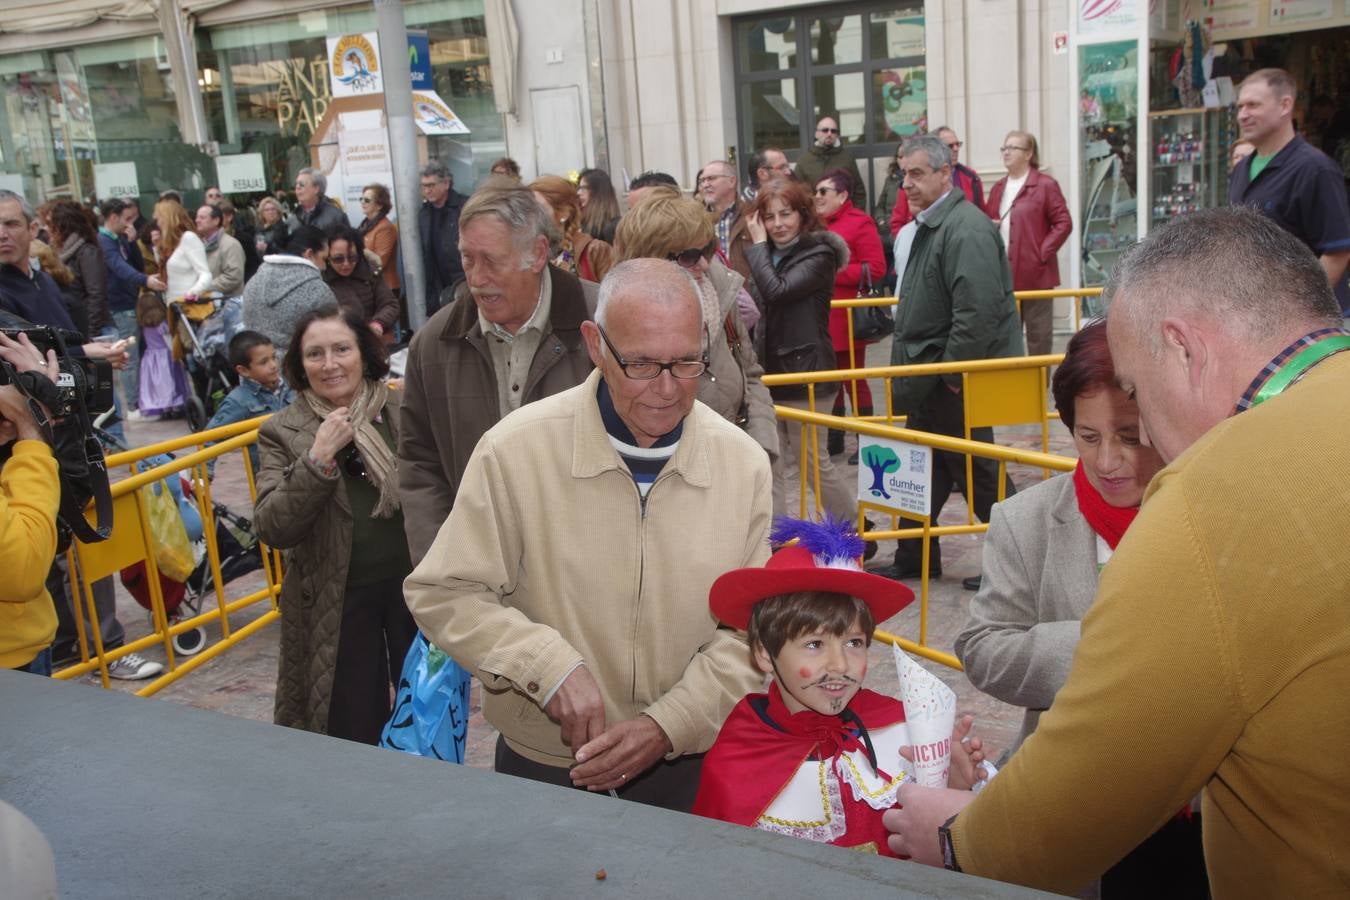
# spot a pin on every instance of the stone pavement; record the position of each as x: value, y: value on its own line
x: 241, y: 681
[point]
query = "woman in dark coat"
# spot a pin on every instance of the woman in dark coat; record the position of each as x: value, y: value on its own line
x: 356, y: 284
x: 75, y: 240
x: 793, y: 264
x: 328, y: 495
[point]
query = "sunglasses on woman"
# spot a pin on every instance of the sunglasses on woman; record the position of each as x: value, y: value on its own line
x: 339, y: 259
x: 689, y: 258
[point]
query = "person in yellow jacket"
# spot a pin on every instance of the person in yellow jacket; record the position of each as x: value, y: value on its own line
x: 30, y: 492
x: 1220, y: 633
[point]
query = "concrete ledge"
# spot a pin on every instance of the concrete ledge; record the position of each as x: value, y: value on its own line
x: 146, y: 798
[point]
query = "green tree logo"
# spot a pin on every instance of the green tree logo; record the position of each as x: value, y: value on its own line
x: 880, y: 460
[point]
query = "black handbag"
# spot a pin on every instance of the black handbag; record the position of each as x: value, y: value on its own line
x: 871, y: 323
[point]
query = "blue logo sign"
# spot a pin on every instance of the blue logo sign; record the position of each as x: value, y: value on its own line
x: 419, y: 60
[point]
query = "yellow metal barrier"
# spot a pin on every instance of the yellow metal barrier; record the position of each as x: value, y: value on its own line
x: 131, y: 542
x: 927, y: 530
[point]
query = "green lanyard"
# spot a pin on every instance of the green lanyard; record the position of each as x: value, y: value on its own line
x: 1299, y: 364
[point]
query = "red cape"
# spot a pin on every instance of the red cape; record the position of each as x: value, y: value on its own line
x: 751, y: 761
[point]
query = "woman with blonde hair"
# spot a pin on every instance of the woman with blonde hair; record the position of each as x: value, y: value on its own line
x: 669, y: 226
x: 586, y: 257
x: 186, y: 271
x: 272, y: 235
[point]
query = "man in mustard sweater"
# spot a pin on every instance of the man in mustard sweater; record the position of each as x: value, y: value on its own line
x: 29, y: 495
x: 1216, y: 656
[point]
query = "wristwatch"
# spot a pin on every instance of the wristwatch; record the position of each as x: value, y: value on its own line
x: 945, y: 843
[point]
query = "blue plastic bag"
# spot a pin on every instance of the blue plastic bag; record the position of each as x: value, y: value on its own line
x: 431, y: 707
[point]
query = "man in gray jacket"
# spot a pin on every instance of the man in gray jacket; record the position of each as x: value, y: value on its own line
x: 957, y: 303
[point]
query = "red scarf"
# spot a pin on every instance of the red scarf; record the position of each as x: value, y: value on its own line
x: 1108, y: 521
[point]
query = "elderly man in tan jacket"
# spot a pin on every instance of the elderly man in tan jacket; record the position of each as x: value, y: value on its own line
x: 572, y: 574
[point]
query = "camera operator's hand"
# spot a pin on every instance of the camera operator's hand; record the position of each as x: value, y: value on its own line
x: 115, y: 353
x: 25, y: 357
x: 16, y: 419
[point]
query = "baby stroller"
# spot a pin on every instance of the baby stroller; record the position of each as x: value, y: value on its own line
x: 204, y: 327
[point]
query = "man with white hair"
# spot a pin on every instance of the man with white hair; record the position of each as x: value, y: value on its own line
x: 312, y: 206
x: 1220, y: 634
x: 573, y: 572
x: 510, y: 335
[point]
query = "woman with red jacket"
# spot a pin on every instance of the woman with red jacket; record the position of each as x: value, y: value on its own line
x: 1034, y: 220
x: 856, y: 227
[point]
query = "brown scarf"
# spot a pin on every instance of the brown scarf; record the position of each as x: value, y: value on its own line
x: 381, y: 463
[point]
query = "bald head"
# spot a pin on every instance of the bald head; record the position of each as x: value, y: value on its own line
x: 639, y: 286
x: 648, y: 313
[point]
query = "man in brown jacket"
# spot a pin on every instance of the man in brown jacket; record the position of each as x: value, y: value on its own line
x: 511, y: 335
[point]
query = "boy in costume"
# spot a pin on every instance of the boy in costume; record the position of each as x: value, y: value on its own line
x: 818, y: 756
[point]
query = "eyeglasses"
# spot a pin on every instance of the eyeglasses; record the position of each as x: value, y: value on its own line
x: 1008, y: 148
x: 342, y: 260
x: 825, y: 191
x: 828, y: 130
x: 689, y: 258
x: 646, y: 370
x: 705, y: 179
x: 955, y: 145
x: 367, y: 199
x: 353, y: 465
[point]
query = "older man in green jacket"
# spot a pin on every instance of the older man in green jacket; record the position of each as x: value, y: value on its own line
x: 956, y: 303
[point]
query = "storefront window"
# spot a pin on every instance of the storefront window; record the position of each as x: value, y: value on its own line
x: 860, y: 62
x: 1109, y: 119
x: 67, y: 112
x: 266, y: 86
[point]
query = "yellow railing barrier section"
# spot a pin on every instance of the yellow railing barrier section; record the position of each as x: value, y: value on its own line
x: 809, y: 463
x: 852, y: 303
x: 131, y: 542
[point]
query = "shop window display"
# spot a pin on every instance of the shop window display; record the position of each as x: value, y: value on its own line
x: 1108, y: 117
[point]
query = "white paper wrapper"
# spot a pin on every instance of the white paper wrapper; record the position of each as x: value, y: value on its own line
x: 930, y: 715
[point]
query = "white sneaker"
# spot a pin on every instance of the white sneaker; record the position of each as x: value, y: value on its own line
x: 134, y: 667
x: 134, y: 416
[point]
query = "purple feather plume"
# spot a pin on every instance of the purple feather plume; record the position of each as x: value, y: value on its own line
x: 828, y: 539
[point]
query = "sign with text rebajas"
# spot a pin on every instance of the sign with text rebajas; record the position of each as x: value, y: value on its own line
x: 895, y: 475
x: 241, y: 173
x: 116, y: 180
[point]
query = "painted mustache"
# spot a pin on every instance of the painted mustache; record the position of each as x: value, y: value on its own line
x: 827, y: 679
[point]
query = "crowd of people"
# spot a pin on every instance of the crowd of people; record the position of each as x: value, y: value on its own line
x: 575, y: 490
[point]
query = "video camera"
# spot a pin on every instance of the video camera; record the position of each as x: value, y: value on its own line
x: 80, y: 384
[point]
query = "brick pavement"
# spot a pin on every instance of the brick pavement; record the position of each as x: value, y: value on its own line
x: 241, y: 681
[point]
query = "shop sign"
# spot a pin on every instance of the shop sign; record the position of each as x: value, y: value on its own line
x: 1289, y: 12
x: 302, y: 95
x: 434, y: 117
x: 1228, y: 15
x: 116, y: 180
x: 241, y: 174
x: 354, y: 65
x: 419, y: 61
x: 895, y: 475
x: 1097, y: 17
